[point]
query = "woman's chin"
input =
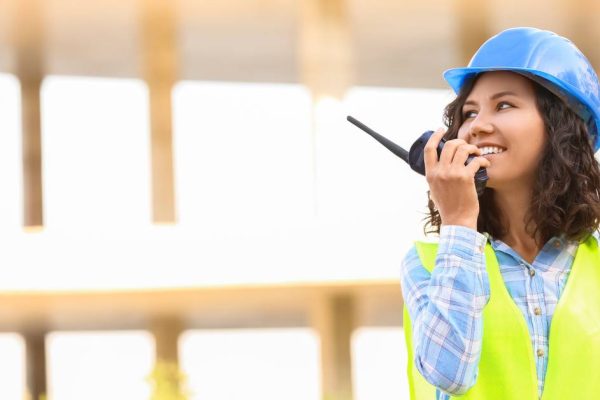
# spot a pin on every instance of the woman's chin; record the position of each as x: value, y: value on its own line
x: 497, y: 184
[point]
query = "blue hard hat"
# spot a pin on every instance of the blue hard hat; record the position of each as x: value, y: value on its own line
x: 545, y: 57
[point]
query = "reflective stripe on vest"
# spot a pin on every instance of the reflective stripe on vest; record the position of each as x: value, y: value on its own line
x: 507, y: 368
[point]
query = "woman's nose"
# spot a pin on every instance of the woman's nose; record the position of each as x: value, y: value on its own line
x: 481, y: 124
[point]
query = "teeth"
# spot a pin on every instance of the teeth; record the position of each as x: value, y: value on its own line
x: 491, y: 150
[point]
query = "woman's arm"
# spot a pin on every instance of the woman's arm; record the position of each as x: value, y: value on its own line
x: 446, y: 307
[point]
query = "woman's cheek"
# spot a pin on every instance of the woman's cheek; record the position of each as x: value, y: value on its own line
x: 463, y: 132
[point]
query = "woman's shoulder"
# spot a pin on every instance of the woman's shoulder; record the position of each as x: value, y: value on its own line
x: 411, y: 263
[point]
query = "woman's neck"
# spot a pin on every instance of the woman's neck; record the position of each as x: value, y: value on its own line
x: 514, y: 206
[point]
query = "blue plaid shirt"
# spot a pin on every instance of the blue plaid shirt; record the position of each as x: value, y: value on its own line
x: 445, y: 306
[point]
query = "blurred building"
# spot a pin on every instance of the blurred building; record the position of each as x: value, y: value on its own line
x: 312, y: 237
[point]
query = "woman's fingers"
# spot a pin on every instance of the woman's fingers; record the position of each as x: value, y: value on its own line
x: 430, y: 155
x: 476, y: 163
x: 454, y: 154
x: 463, y: 151
x: 451, y: 183
x: 449, y: 150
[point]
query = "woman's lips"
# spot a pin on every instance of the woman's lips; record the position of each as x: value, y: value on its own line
x: 493, y: 155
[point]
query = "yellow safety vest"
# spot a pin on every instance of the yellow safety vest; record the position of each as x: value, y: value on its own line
x: 507, y: 368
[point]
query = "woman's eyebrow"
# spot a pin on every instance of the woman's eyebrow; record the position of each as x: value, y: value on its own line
x: 493, y: 97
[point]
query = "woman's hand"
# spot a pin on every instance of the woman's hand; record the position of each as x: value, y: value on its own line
x: 451, y: 182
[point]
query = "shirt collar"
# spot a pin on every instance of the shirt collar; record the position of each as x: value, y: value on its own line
x: 559, y: 243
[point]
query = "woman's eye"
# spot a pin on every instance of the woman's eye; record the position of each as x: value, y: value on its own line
x: 469, y: 114
x: 503, y: 105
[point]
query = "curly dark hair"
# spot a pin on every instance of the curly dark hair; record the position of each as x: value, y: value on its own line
x: 565, y: 198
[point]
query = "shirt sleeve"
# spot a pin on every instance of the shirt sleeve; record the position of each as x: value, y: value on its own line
x: 445, y: 307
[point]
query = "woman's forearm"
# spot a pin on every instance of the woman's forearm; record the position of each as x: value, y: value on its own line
x: 446, y: 308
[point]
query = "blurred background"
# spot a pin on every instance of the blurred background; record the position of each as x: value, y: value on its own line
x: 186, y: 214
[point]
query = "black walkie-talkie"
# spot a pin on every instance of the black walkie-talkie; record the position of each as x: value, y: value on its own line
x: 414, y: 157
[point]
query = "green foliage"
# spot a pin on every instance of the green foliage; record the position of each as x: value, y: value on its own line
x: 167, y: 382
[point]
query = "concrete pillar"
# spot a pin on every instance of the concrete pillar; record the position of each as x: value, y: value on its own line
x: 333, y: 317
x: 159, y: 67
x: 584, y: 29
x: 327, y: 63
x: 167, y: 379
x: 28, y: 34
x: 35, y: 364
x: 166, y: 331
x: 473, y: 27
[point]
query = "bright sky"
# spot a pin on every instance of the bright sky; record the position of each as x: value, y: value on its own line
x: 250, y: 176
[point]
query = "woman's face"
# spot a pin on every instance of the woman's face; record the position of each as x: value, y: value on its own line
x: 500, y: 115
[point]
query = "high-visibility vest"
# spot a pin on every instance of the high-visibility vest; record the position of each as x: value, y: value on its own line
x: 507, y: 369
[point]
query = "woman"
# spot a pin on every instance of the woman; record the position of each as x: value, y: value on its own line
x: 507, y: 304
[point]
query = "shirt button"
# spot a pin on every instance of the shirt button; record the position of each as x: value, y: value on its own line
x: 537, y: 311
x: 540, y: 352
x: 557, y: 244
x: 482, y: 248
x: 532, y: 272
